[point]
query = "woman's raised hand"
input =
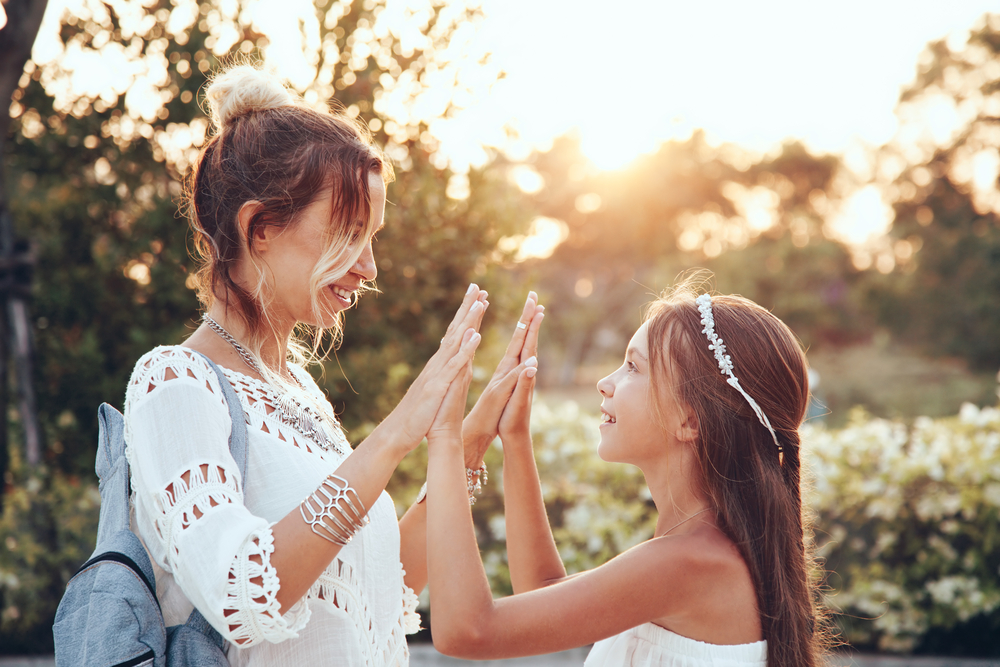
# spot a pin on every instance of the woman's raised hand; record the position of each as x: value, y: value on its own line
x: 412, y: 418
x: 482, y: 424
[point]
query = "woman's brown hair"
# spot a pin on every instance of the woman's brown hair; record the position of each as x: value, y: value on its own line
x: 754, y: 487
x: 271, y: 150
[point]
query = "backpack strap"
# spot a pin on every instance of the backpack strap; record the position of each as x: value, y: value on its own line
x: 112, y: 472
x: 238, y: 449
x: 238, y: 432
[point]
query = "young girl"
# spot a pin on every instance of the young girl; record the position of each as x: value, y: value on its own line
x: 284, y: 203
x: 707, y: 404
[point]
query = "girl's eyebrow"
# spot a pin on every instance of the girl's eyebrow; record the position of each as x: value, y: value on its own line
x: 635, y: 352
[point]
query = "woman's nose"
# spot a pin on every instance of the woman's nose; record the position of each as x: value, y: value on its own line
x: 365, y: 266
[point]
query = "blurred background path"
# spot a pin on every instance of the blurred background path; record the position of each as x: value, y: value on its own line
x: 424, y: 655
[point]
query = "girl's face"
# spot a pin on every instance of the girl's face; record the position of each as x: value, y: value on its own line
x: 292, y: 258
x: 629, y: 429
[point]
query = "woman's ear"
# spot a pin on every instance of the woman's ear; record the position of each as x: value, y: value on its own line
x: 687, y: 429
x: 243, y: 219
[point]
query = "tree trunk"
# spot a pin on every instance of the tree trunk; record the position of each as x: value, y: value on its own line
x: 24, y: 17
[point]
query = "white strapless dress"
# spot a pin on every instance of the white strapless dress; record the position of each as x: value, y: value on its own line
x: 649, y: 645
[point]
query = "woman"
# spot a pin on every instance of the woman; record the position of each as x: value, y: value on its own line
x: 707, y: 404
x: 285, y: 202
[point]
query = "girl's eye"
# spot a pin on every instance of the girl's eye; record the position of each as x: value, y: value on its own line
x: 632, y: 368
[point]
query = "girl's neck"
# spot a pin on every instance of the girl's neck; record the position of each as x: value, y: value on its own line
x: 677, y: 494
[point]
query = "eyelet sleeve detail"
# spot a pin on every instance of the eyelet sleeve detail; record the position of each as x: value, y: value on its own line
x: 252, y: 610
x: 411, y: 619
x: 188, y: 499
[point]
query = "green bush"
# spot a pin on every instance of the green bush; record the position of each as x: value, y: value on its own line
x: 907, y: 520
x: 48, y: 529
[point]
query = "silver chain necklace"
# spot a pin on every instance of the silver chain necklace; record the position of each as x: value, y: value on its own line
x: 685, y: 521
x: 290, y: 411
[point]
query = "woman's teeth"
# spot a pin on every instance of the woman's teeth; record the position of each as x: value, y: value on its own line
x: 344, y: 294
x: 607, y: 419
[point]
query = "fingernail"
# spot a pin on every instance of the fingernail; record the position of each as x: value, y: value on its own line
x: 531, y: 361
x: 531, y: 372
x: 478, y: 305
x: 472, y: 287
x: 475, y: 338
x: 484, y: 295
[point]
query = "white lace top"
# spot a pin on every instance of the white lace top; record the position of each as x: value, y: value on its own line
x: 210, y: 537
x: 649, y: 645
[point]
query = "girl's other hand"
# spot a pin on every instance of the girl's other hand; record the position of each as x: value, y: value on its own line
x: 412, y: 418
x: 482, y: 424
x: 515, y: 423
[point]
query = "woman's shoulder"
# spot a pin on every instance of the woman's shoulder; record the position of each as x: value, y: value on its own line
x: 170, y: 363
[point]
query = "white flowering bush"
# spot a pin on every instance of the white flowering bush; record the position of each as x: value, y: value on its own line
x: 908, y: 523
x: 906, y: 518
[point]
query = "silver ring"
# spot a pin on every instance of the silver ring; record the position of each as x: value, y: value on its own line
x: 522, y: 325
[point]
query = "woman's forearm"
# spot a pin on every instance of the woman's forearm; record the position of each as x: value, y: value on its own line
x: 413, y: 546
x: 531, y: 550
x: 300, y: 555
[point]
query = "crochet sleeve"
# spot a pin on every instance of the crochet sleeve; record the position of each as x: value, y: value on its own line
x: 189, y: 499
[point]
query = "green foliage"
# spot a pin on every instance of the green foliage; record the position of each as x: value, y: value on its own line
x: 947, y: 227
x: 97, y: 196
x: 48, y: 529
x: 908, y: 522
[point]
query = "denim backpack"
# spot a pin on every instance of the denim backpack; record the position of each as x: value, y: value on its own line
x: 109, y: 615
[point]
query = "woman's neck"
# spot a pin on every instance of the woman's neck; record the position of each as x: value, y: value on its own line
x: 273, y: 348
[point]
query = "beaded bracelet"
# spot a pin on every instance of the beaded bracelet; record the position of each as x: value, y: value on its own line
x: 331, y: 513
x: 475, y: 479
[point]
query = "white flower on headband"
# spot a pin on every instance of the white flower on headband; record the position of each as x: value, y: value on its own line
x: 725, y: 362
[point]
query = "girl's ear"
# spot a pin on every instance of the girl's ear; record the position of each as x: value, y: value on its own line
x: 243, y: 218
x: 687, y: 429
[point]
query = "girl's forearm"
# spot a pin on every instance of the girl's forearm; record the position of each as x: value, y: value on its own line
x: 459, y: 590
x: 531, y: 550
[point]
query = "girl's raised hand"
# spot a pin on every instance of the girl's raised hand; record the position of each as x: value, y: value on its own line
x: 482, y: 424
x: 515, y: 423
x: 412, y: 418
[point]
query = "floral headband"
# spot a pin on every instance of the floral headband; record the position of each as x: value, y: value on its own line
x: 726, y: 363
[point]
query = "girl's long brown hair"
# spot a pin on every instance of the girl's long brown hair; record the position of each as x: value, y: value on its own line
x: 755, y: 490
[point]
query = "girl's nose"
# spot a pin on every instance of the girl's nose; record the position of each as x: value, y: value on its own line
x: 606, y: 386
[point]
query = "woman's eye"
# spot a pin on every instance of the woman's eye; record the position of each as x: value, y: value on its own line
x: 632, y: 368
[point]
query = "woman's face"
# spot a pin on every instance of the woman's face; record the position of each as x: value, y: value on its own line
x: 293, y: 256
x: 629, y: 432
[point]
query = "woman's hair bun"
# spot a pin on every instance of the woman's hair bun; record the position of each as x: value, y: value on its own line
x: 242, y: 89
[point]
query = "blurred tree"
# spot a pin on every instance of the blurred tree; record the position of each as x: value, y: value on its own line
x: 98, y: 173
x: 22, y: 19
x: 97, y: 155
x: 946, y: 236
x: 758, y: 225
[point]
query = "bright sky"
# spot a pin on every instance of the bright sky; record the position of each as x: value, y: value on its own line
x: 629, y: 75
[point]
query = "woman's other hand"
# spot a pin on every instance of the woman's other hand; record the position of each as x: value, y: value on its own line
x: 483, y: 423
x: 447, y: 424
x: 412, y: 418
